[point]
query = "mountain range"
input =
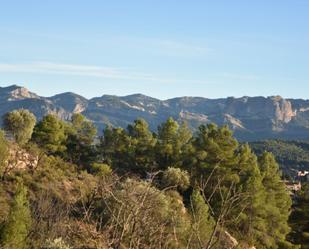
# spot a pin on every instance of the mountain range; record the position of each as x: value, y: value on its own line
x: 251, y: 118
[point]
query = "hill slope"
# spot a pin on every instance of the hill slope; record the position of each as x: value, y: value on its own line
x: 293, y: 156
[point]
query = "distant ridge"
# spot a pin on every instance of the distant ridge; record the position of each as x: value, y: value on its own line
x: 251, y: 118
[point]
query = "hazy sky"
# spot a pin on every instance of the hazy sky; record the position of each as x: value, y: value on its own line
x: 162, y: 48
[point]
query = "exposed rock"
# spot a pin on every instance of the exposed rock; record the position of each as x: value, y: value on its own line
x: 70, y: 102
x: 194, y: 116
x: 284, y: 111
x: 251, y: 118
x: 20, y: 159
x: 233, y: 123
x: 15, y: 92
x: 22, y: 93
x: 228, y: 241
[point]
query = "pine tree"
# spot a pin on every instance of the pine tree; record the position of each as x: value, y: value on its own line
x: 172, y: 140
x: 247, y: 192
x: 79, y: 144
x: 50, y: 134
x: 299, y: 219
x: 17, y: 227
x: 213, y: 153
x: 277, y: 203
x: 116, y: 149
x: 143, y: 143
x: 252, y: 192
x: 83, y: 129
x: 213, y: 146
x: 202, y: 222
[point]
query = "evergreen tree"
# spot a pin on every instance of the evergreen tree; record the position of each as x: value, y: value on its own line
x: 214, y: 146
x: 81, y: 135
x: 248, y: 194
x: 252, y: 195
x: 19, y: 124
x: 17, y: 227
x: 213, y: 153
x: 213, y: 162
x: 84, y: 129
x: 143, y: 143
x: 202, y: 222
x: 276, y: 206
x: 172, y: 140
x: 130, y: 150
x: 299, y: 219
x: 50, y: 134
x: 116, y: 149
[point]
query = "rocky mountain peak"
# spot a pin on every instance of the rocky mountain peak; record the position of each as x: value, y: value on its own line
x: 276, y: 98
x: 141, y: 98
x: 14, y: 92
x: 70, y: 102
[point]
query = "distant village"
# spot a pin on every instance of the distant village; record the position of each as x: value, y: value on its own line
x: 295, y: 185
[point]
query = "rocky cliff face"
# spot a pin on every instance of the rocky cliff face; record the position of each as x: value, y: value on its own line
x: 252, y: 118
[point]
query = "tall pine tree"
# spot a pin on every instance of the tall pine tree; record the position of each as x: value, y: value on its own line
x: 143, y: 144
x: 202, y: 222
x: 172, y: 141
x: 81, y: 135
x: 276, y: 206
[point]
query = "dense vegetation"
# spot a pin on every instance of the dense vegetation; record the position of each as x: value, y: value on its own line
x: 299, y: 219
x: 133, y: 188
x: 291, y: 155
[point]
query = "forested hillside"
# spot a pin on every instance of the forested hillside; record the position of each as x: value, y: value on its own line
x: 292, y: 156
x: 135, y: 188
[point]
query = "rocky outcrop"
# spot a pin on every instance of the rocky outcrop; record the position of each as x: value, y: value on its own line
x: 228, y: 241
x: 21, y: 93
x: 20, y: 159
x: 14, y: 92
x: 283, y: 110
x: 251, y: 118
x: 232, y: 122
x: 194, y: 116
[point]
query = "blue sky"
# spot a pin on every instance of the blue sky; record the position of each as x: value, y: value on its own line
x: 162, y: 48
